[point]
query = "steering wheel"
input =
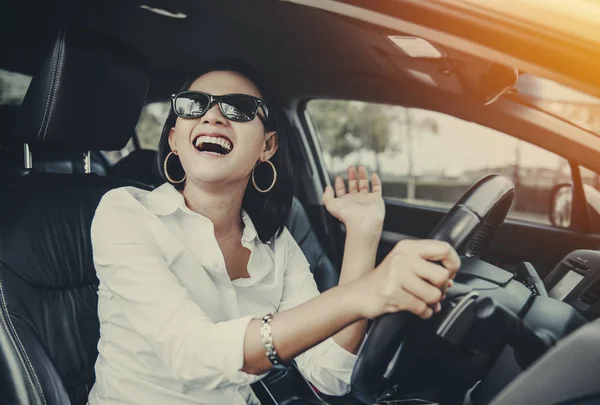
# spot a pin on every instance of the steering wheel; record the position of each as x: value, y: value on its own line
x: 468, y: 227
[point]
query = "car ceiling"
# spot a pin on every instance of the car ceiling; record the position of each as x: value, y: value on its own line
x: 305, y: 52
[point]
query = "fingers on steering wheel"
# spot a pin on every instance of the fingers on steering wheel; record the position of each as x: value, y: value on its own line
x: 340, y: 187
x: 435, y: 250
x: 418, y: 306
x: 446, y: 288
x: 422, y: 290
x: 363, y: 180
x: 434, y: 274
x: 452, y: 263
x: 352, y: 182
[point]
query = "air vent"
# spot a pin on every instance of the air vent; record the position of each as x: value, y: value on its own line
x: 592, y: 294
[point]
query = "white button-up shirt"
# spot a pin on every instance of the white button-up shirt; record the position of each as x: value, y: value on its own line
x: 172, y: 322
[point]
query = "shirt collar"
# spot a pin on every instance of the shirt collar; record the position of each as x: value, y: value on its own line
x: 166, y: 199
x: 249, y: 233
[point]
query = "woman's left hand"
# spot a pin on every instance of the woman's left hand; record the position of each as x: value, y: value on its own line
x: 360, y: 206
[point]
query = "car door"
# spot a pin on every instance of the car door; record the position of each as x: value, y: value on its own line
x: 428, y: 159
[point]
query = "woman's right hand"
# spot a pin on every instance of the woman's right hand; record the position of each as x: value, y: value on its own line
x: 407, y: 280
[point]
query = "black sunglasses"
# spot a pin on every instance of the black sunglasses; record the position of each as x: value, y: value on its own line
x: 234, y: 107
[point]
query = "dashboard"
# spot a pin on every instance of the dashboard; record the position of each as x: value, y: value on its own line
x: 576, y: 281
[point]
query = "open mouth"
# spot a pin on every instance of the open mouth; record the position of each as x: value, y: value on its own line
x: 213, y: 144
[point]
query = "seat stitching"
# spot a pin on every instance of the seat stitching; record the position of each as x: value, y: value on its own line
x: 15, y: 340
x: 79, y: 340
x: 54, y: 58
x: 61, y: 49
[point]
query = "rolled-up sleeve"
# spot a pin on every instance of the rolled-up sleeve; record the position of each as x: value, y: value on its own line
x: 328, y: 366
x: 129, y: 263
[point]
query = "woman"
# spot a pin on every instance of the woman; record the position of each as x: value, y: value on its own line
x: 203, y: 290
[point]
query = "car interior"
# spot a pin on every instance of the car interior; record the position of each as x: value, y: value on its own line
x: 519, y: 327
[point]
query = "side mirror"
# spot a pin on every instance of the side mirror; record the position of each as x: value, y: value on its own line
x: 496, y: 80
x: 561, y: 203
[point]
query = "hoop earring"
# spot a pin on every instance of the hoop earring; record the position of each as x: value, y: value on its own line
x: 167, y: 173
x: 274, y: 178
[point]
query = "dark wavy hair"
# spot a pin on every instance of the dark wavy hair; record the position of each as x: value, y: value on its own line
x: 268, y: 211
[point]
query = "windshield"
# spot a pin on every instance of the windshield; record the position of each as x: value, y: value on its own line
x: 564, y: 102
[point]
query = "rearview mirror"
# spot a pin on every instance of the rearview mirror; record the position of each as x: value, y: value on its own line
x: 496, y: 80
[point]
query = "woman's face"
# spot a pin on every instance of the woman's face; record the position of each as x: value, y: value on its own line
x: 248, y: 141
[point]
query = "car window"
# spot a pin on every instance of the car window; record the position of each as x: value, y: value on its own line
x: 430, y: 159
x: 151, y: 122
x: 13, y: 87
x: 590, y: 177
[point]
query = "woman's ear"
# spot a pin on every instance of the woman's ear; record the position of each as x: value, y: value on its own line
x: 270, y: 145
x: 172, y: 143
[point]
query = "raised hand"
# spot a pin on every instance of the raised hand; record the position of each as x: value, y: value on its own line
x: 360, y: 205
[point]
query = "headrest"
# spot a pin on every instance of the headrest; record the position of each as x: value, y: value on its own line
x: 88, y: 94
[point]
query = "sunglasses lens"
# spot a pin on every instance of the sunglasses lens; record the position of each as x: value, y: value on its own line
x: 191, y: 105
x: 238, y: 107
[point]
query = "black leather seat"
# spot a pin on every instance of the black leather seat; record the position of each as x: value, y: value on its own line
x: 48, y: 316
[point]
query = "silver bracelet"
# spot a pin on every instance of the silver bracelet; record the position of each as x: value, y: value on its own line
x: 267, y: 341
